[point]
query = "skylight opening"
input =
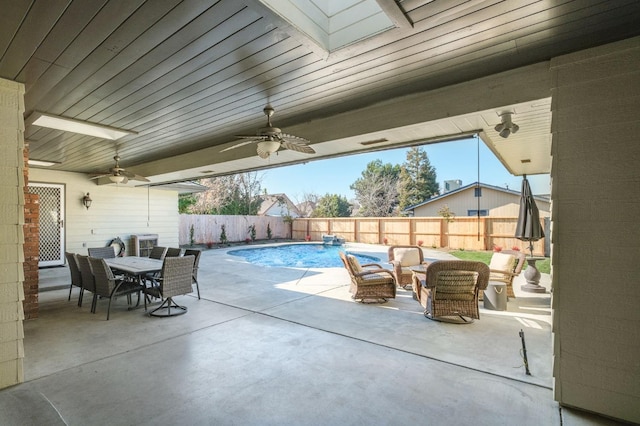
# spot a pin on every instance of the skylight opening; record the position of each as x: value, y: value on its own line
x: 333, y: 24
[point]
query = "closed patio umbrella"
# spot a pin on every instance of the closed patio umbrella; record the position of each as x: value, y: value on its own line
x: 528, y: 227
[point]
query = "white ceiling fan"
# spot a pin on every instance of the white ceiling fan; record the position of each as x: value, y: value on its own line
x: 270, y: 139
x: 119, y: 175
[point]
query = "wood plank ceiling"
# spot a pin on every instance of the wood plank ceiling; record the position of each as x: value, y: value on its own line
x: 188, y: 75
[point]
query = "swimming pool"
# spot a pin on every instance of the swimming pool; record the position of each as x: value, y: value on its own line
x: 299, y: 256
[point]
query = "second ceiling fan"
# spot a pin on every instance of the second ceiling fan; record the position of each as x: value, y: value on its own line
x: 270, y: 139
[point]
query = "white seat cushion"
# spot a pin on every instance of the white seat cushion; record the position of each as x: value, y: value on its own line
x: 501, y: 262
x: 407, y: 256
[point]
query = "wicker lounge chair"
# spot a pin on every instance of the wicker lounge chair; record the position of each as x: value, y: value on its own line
x: 76, y: 278
x: 196, y: 254
x: 450, y: 292
x: 370, y: 282
x: 175, y: 280
x: 505, y: 266
x: 401, y: 258
x: 108, y: 286
x: 102, y: 252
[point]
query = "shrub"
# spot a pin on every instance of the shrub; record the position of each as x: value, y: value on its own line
x: 269, y: 231
x: 515, y: 248
x: 192, y: 238
x: 252, y: 232
x: 223, y: 235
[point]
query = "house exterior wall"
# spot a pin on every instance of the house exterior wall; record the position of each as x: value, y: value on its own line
x: 595, y: 231
x: 498, y: 203
x: 116, y: 211
x: 11, y: 232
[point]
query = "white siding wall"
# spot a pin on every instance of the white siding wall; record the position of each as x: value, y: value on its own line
x: 499, y: 204
x: 116, y: 211
x: 596, y: 234
x: 11, y: 232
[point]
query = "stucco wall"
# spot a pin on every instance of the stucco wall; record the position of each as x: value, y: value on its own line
x: 596, y: 234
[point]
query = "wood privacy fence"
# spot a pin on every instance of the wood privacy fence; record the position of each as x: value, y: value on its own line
x: 207, y: 228
x: 467, y: 233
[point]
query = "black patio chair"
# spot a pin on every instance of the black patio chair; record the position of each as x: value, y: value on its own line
x: 196, y: 254
x: 76, y: 277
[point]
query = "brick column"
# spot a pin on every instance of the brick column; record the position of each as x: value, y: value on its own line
x: 31, y: 246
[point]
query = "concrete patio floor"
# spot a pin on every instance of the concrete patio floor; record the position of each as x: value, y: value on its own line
x: 284, y: 346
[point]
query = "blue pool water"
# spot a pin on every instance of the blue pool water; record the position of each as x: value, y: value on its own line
x: 299, y: 256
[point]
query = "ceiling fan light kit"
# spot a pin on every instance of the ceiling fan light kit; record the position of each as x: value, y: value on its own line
x: 266, y: 148
x: 506, y: 127
x: 270, y: 139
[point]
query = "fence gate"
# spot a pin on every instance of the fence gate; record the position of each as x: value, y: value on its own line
x: 51, y: 222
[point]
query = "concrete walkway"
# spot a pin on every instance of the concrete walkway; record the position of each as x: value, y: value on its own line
x: 284, y: 346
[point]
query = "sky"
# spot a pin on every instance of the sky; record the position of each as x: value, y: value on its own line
x: 452, y: 160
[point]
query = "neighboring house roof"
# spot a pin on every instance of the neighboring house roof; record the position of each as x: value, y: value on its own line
x: 277, y: 205
x: 306, y: 208
x: 472, y: 185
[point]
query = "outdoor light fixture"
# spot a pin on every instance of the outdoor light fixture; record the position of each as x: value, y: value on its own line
x: 116, y: 178
x: 86, y: 201
x: 506, y: 127
x: 76, y: 126
x: 268, y: 147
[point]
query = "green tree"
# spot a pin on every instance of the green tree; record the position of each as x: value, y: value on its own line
x: 377, y: 189
x: 417, y: 179
x: 332, y: 205
x: 229, y: 195
x: 185, y: 201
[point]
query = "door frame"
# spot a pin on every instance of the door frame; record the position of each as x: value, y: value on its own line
x: 61, y: 222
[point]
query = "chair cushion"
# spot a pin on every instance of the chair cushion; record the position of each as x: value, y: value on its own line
x: 501, y: 262
x: 355, y: 265
x: 407, y: 256
x: 376, y: 279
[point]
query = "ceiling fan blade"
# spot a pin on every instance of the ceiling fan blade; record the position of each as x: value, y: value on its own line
x: 298, y: 147
x: 140, y: 178
x: 133, y: 176
x: 256, y: 137
x: 294, y: 139
x: 238, y: 145
x: 295, y: 143
x: 99, y: 175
